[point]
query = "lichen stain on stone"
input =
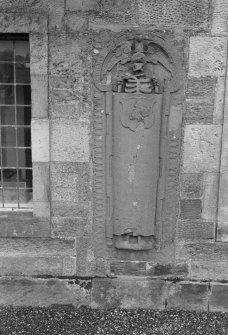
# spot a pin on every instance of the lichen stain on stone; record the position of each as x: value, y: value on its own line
x: 132, y: 166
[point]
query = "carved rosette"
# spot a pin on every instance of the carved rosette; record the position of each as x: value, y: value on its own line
x: 136, y: 77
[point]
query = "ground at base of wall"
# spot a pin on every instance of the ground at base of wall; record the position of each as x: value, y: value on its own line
x: 68, y: 320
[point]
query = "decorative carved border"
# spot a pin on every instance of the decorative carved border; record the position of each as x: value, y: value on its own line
x: 169, y: 204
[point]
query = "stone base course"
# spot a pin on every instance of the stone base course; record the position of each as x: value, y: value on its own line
x: 120, y: 292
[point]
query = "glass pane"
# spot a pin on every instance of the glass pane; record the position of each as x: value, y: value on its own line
x: 8, y: 137
x: 24, y: 116
x: 24, y: 137
x: 6, y: 94
x: 6, y: 72
x: 25, y: 176
x: 10, y: 197
x: 23, y: 94
x: 9, y: 177
x: 9, y: 157
x: 22, y: 51
x: 6, y: 51
x: 25, y: 198
x: 22, y: 73
x: 24, y: 157
x: 7, y: 115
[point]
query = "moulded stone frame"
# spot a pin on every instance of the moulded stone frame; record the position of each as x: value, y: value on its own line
x: 37, y: 27
x: 164, y: 229
x: 222, y: 220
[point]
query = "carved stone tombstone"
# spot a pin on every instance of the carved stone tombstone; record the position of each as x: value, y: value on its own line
x: 137, y: 78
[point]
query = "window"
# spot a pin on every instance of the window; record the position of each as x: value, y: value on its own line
x: 15, y: 123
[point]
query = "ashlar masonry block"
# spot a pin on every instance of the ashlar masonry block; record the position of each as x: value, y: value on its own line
x: 130, y: 292
x: 39, y: 89
x: 207, y: 56
x: 219, y: 297
x: 69, y: 141
x: 201, y: 148
x: 188, y: 296
x: 39, y: 54
x: 220, y: 18
x: 23, y: 23
x: 40, y: 140
x: 41, y: 292
x: 210, y: 196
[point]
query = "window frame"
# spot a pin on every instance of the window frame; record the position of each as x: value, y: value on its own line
x: 36, y: 28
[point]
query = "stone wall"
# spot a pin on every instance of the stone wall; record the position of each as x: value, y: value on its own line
x: 59, y: 255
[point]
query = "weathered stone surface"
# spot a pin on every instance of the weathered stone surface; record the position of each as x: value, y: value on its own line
x: 59, y: 96
x: 65, y: 187
x: 169, y: 270
x: 39, y: 90
x: 34, y: 246
x: 207, y: 56
x: 56, y: 15
x: 64, y: 194
x: 203, y: 251
x: 174, y: 13
x: 190, y: 209
x: 23, y: 226
x: 201, y: 148
x: 128, y: 292
x: 41, y: 209
x: 69, y: 227
x: 31, y: 266
x: 79, y: 168
x: 39, y: 54
x: 201, y: 87
x: 175, y: 118
x: 70, y: 209
x: 64, y: 110
x: 219, y: 297
x: 223, y: 208
x: 209, y: 270
x: 75, y: 23
x: 69, y: 266
x: 23, y: 6
x: 69, y: 141
x: 82, y: 5
x: 220, y: 18
x: 195, y: 230
x: 86, y: 263
x: 199, y: 111
x: 40, y: 140
x: 191, y: 185
x: 210, y: 196
x: 41, y: 185
x: 65, y: 55
x: 224, y: 154
x: 188, y: 296
x: 41, y: 292
x: 73, y: 110
x: 71, y: 186
x: 23, y: 23
x: 219, y: 100
x: 222, y: 231
x: 128, y: 268
x: 64, y: 180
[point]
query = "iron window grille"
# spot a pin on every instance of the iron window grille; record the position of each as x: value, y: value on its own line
x: 15, y: 123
